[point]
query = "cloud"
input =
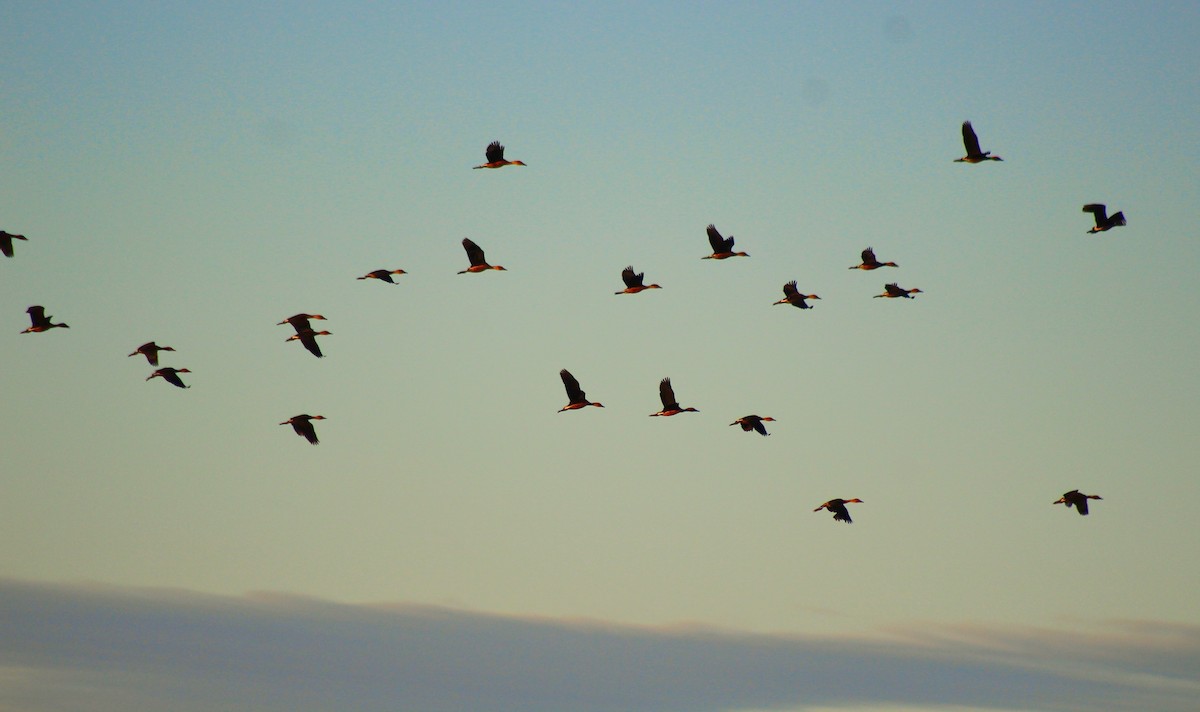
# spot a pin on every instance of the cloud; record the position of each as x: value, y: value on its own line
x: 97, y: 648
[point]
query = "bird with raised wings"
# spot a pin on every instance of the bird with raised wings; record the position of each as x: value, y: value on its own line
x: 633, y: 281
x: 792, y: 295
x: 1104, y: 221
x: 475, y: 256
x: 303, y: 426
x: 170, y: 375
x: 39, y: 322
x: 971, y: 142
x: 869, y: 262
x: 838, y: 507
x: 1078, y: 500
x: 722, y: 247
x: 670, y: 406
x: 575, y: 395
x: 495, y: 157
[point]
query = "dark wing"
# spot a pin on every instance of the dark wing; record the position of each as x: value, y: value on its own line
x: 6, y: 244
x: 868, y: 256
x: 173, y: 378
x: 790, y: 291
x: 631, y: 278
x: 308, y: 337
x: 299, y: 323
x: 667, y: 394
x: 574, y: 393
x: 305, y: 428
x: 719, y: 244
x: 758, y: 425
x: 495, y: 152
x: 1081, y: 505
x: 474, y: 252
x: 970, y: 140
x: 37, y: 315
x: 150, y: 351
x: 1118, y: 218
x: 1099, y: 212
x: 840, y: 513
x: 894, y: 289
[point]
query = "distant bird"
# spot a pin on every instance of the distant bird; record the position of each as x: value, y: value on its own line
x: 869, y: 262
x: 1104, y: 221
x: 6, y: 245
x: 150, y: 351
x: 670, y: 405
x: 838, y: 507
x: 893, y: 290
x: 495, y: 157
x: 39, y: 321
x: 633, y: 281
x: 576, y: 396
x: 475, y: 255
x: 303, y: 426
x: 300, y: 323
x: 1078, y: 500
x: 753, y: 422
x: 308, y: 337
x: 971, y: 141
x: 170, y: 375
x: 384, y: 275
x: 792, y: 296
x: 722, y: 247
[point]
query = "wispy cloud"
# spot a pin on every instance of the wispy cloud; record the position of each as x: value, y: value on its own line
x: 85, y: 647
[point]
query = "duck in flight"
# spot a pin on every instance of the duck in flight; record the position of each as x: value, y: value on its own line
x: 722, y: 247
x: 1103, y: 220
x: 1078, y: 500
x: 576, y: 396
x: 893, y: 290
x: 170, y: 375
x: 39, y: 322
x: 753, y: 422
x: 6, y: 242
x: 303, y: 426
x: 308, y: 337
x: 971, y: 141
x: 383, y: 275
x: 792, y: 296
x: 300, y: 322
x: 869, y: 262
x: 495, y: 157
x: 475, y: 255
x: 838, y: 507
x: 633, y: 281
x: 670, y: 405
x: 150, y: 351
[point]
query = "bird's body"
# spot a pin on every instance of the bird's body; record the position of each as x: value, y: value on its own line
x: 893, y: 290
x: 971, y: 142
x: 170, y: 375
x: 753, y: 422
x: 150, y: 351
x: 576, y: 396
x: 1104, y: 221
x: 838, y: 507
x: 495, y: 157
x: 1078, y: 500
x: 6, y: 242
x: 792, y: 296
x: 869, y: 262
x: 475, y: 255
x: 670, y: 404
x: 303, y: 426
x: 39, y: 322
x: 633, y: 282
x: 300, y: 322
x: 383, y: 275
x: 722, y: 247
x: 308, y: 337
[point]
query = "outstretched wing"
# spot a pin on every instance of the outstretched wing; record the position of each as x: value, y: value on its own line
x: 1098, y: 211
x: 474, y: 252
x: 719, y: 244
x: 790, y: 291
x: 37, y: 315
x: 631, y: 278
x: 667, y: 395
x: 970, y: 140
x: 574, y: 393
x: 495, y: 152
x: 868, y: 256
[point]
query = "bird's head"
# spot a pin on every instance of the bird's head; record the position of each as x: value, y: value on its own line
x: 183, y: 370
x: 499, y: 268
x: 856, y: 499
x: 517, y: 163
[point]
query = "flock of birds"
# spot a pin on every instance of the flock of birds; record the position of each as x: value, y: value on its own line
x: 722, y: 248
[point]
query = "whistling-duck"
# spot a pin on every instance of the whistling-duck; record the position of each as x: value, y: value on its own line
x: 893, y: 290
x: 754, y: 422
x: 384, y: 275
x: 576, y: 396
x: 838, y: 507
x: 308, y: 337
x: 303, y: 426
x: 6, y: 244
x: 495, y: 157
x: 670, y: 405
x: 869, y: 262
x: 170, y: 375
x: 971, y: 141
x: 1103, y: 221
x: 475, y: 255
x: 150, y: 351
x: 792, y: 296
x: 1078, y: 500
x: 633, y: 282
x: 300, y: 323
x: 39, y: 321
x: 722, y: 247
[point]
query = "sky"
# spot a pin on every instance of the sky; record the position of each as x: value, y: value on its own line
x: 193, y: 173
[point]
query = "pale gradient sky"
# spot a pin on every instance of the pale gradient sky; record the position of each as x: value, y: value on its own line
x: 193, y: 173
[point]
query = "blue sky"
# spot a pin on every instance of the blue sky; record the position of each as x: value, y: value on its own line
x: 195, y: 173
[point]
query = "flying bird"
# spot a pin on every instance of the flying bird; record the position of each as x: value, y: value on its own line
x: 170, y: 375
x: 722, y: 247
x: 893, y: 290
x: 384, y: 275
x: 39, y: 321
x: 754, y: 422
x: 633, y: 281
x: 495, y: 157
x: 150, y: 351
x: 576, y: 396
x: 303, y: 426
x: 300, y: 322
x: 1103, y: 220
x: 475, y: 255
x: 838, y: 507
x: 792, y: 296
x: 971, y: 141
x: 869, y: 262
x: 670, y: 405
x: 1078, y: 500
x: 308, y: 337
x: 6, y: 242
